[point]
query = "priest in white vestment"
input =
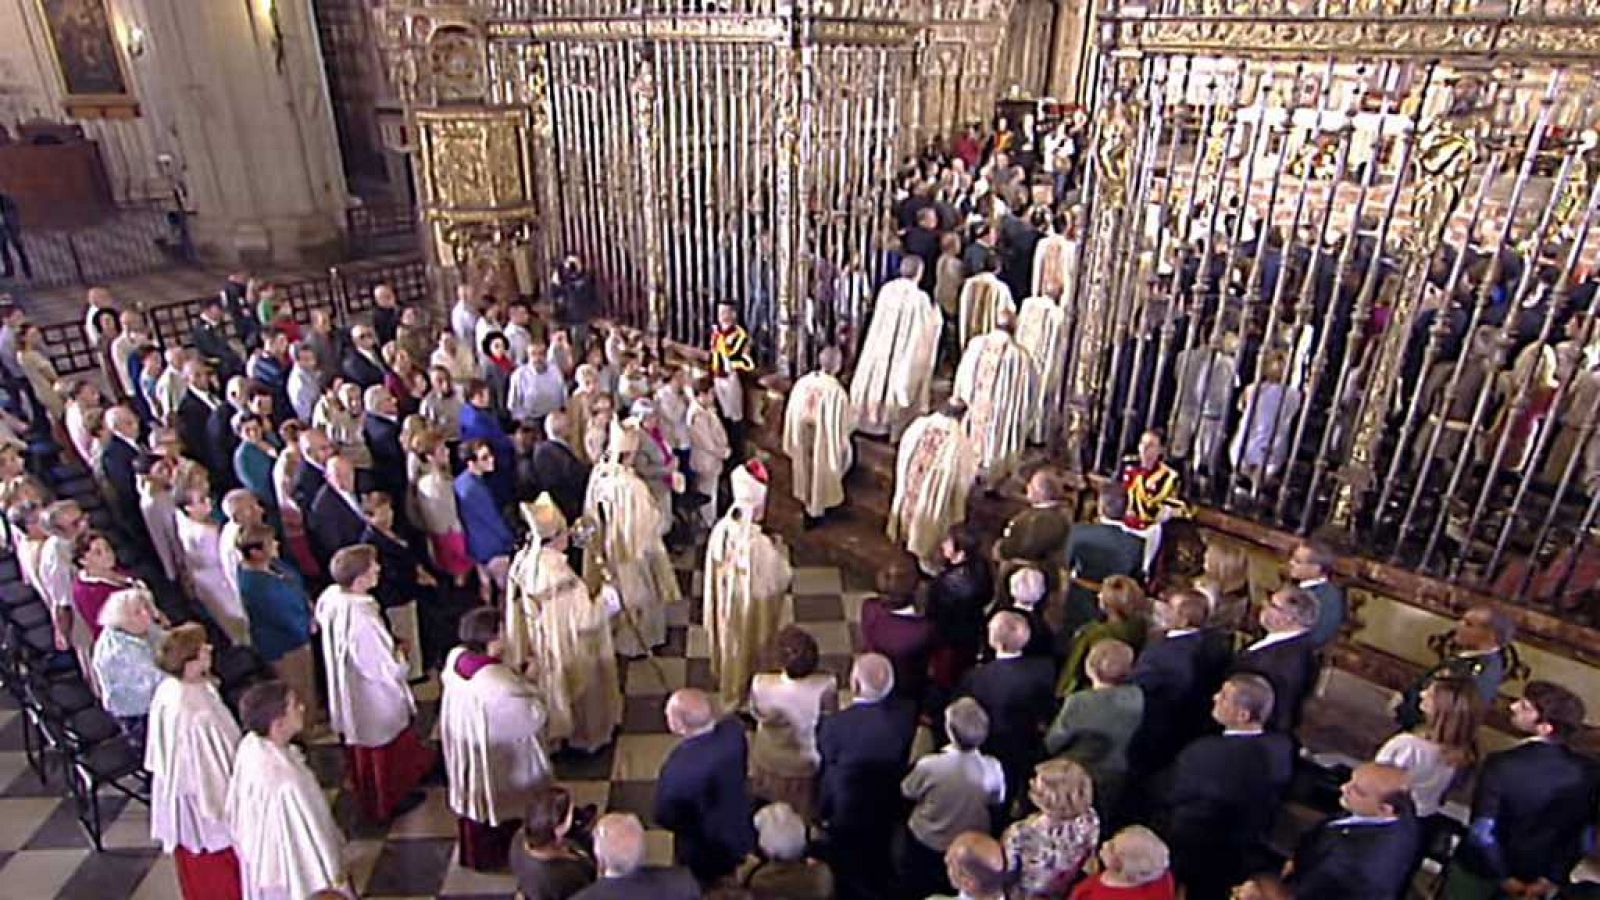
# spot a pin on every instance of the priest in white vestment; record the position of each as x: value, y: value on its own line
x: 816, y: 436
x: 894, y: 369
x: 1042, y: 331
x: 559, y: 635
x: 996, y: 382
x: 189, y: 746
x: 370, y: 703
x: 489, y: 725
x: 288, y: 844
x: 747, y: 574
x: 627, y: 551
x: 933, y: 473
x: 983, y: 299
x: 1055, y: 262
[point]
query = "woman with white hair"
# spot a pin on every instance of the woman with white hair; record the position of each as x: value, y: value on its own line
x: 125, y: 659
x: 783, y: 869
x: 1133, y: 866
x: 340, y: 414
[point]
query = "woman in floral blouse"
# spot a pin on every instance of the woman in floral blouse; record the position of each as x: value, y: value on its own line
x: 1047, y: 850
x: 125, y: 659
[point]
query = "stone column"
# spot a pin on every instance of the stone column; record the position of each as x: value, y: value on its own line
x: 1072, y: 56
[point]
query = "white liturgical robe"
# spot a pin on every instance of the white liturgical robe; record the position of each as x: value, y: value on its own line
x: 1055, y: 267
x: 489, y: 728
x: 995, y: 380
x: 983, y: 298
x: 816, y: 437
x: 369, y: 699
x: 1042, y: 331
x: 283, y: 831
x: 627, y: 552
x: 895, y: 368
x: 933, y: 473
x: 747, y: 574
x: 189, y: 746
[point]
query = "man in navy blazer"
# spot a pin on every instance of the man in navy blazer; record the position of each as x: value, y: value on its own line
x: 489, y: 539
x: 619, y: 850
x: 1018, y: 693
x: 381, y: 429
x: 335, y: 519
x: 1368, y: 854
x: 1310, y: 564
x: 701, y: 794
x: 1533, y: 809
x: 1286, y: 656
x: 557, y: 469
x: 863, y: 750
x: 1178, y: 673
x: 479, y: 422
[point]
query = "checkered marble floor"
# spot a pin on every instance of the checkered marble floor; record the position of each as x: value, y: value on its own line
x: 44, y: 854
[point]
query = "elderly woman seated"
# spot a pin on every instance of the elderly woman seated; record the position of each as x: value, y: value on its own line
x: 1133, y: 867
x: 783, y: 870
x: 125, y: 659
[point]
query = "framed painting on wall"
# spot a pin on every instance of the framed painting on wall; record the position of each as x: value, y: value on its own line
x: 88, y: 60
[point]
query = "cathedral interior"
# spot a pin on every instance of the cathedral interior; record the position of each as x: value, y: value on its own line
x: 1382, y: 214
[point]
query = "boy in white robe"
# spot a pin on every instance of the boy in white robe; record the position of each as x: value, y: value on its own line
x: 489, y: 725
x: 895, y: 368
x: 189, y: 746
x: 933, y: 474
x: 708, y: 447
x: 816, y: 436
x: 996, y: 382
x: 747, y: 573
x: 370, y: 703
x: 626, y: 551
x: 288, y: 844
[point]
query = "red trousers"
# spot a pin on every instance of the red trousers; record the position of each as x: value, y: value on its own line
x: 208, y: 876
x: 381, y: 777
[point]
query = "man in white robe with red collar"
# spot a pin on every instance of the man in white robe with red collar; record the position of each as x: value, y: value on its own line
x: 627, y: 551
x: 746, y: 575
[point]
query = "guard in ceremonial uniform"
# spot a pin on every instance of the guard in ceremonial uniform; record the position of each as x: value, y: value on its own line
x: 730, y: 359
x: 1152, y: 488
x: 1036, y: 536
x: 1479, y: 650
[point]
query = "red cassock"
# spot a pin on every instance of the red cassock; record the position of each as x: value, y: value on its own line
x: 485, y: 847
x: 381, y: 777
x: 208, y: 876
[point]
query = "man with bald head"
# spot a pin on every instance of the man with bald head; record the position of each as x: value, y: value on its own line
x: 381, y: 429
x: 997, y: 381
x: 1370, y: 852
x: 1018, y: 693
x: 863, y: 750
x: 976, y: 866
x: 120, y: 451
x: 335, y: 516
x: 701, y: 795
x: 619, y: 852
x: 816, y: 437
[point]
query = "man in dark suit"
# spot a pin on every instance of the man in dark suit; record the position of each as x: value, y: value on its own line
x: 891, y: 625
x: 1533, y: 810
x: 210, y: 340
x: 194, y: 410
x: 1286, y: 656
x: 221, y: 439
x: 619, y: 852
x: 1037, y: 535
x: 117, y: 461
x: 1027, y: 586
x: 1178, y: 673
x: 315, y: 451
x: 701, y: 794
x: 1018, y: 693
x: 557, y: 469
x: 236, y: 302
x: 1368, y: 854
x: 1217, y: 803
x: 362, y: 364
x: 335, y: 519
x: 1310, y: 564
x: 1097, y: 551
x: 863, y: 750
x: 381, y: 428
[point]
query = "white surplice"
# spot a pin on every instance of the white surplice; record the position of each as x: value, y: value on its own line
x: 1055, y: 266
x: 983, y: 298
x: 996, y: 381
x: 369, y: 701
x: 1042, y: 331
x: 489, y: 728
x: 189, y: 746
x: 746, y: 575
x: 627, y: 551
x: 895, y: 366
x: 288, y: 844
x: 816, y: 437
x: 202, y: 559
x: 933, y: 474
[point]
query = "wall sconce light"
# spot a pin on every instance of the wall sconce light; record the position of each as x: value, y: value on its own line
x: 135, y: 42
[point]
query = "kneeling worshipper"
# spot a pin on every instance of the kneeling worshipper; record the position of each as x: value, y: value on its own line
x: 895, y: 370
x: 489, y: 724
x: 289, y: 847
x: 996, y: 379
x: 559, y: 635
x: 370, y: 703
x: 747, y: 573
x: 627, y: 551
x: 189, y: 747
x: 933, y: 474
x: 816, y: 436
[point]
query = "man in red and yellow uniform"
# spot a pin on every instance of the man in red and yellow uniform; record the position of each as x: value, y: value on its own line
x: 1152, y: 488
x: 730, y: 359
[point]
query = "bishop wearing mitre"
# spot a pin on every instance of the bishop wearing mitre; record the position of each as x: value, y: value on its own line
x: 933, y: 474
x: 1042, y: 331
x: 627, y: 552
x: 895, y: 370
x: 370, y: 703
x: 983, y: 298
x: 283, y: 830
x: 1055, y: 262
x: 489, y: 726
x: 746, y: 576
x: 816, y: 436
x: 189, y: 746
x: 560, y: 635
x: 996, y: 382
